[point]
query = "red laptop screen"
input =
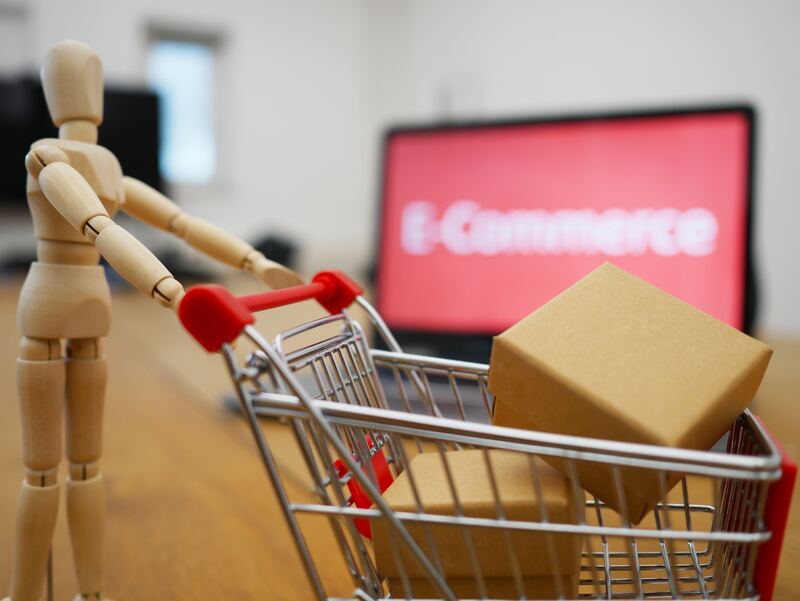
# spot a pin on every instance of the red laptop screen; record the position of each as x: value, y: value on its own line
x: 482, y: 225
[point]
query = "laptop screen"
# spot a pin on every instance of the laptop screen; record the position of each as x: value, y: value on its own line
x: 482, y: 224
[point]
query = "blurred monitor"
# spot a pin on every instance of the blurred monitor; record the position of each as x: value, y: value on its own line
x: 129, y: 130
x: 483, y: 223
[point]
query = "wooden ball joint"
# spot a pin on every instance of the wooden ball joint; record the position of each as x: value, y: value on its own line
x: 74, y: 189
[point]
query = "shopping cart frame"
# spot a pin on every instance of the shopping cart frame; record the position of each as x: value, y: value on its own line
x: 216, y: 318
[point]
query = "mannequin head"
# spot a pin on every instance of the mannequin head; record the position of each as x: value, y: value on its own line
x: 72, y: 78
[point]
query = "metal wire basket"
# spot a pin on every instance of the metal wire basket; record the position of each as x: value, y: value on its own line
x: 359, y: 416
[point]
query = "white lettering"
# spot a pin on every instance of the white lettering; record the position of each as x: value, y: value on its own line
x: 465, y: 228
x: 454, y: 224
x: 662, y: 232
x: 609, y: 236
x: 697, y: 231
x: 415, y: 234
x: 528, y: 231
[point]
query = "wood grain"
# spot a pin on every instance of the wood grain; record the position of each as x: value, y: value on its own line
x: 190, y: 512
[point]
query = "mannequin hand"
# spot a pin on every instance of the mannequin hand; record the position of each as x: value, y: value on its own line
x: 271, y: 273
x: 169, y: 293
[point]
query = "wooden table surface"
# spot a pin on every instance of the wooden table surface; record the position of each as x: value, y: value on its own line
x: 191, y: 515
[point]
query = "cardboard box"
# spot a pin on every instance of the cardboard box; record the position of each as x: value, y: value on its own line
x: 614, y: 357
x: 519, y: 502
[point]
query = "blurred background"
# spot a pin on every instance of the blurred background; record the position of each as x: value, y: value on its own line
x: 272, y: 114
x: 408, y: 143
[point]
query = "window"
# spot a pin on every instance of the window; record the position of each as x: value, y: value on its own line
x: 14, y: 37
x: 182, y: 73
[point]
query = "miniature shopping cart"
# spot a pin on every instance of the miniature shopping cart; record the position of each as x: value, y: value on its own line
x: 357, y: 416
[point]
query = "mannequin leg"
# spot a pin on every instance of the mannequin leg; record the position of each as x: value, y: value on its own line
x: 40, y: 385
x: 86, y: 387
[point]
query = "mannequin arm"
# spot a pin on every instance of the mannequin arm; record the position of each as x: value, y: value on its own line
x: 150, y: 206
x: 72, y: 196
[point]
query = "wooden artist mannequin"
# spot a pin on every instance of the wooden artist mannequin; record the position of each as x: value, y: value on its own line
x: 74, y: 189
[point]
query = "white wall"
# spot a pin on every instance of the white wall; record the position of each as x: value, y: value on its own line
x: 309, y: 85
x: 524, y: 57
x: 292, y: 94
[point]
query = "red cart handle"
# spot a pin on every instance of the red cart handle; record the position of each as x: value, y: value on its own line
x: 214, y: 316
x: 776, y: 515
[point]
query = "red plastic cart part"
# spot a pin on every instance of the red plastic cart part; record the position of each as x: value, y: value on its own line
x: 776, y: 514
x: 215, y: 317
x: 357, y: 496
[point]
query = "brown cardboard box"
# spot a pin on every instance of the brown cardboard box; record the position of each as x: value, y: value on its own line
x: 519, y: 502
x: 614, y: 357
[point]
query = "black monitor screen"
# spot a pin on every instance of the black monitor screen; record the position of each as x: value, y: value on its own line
x: 129, y: 130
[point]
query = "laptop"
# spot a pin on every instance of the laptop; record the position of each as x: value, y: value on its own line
x: 482, y: 223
